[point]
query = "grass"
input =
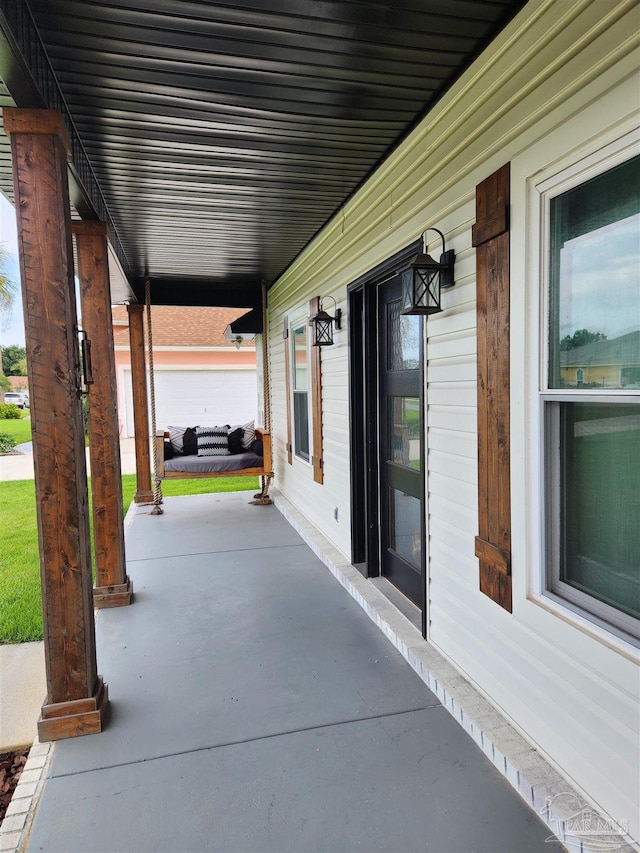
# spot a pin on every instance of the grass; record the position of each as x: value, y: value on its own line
x: 20, y: 605
x: 19, y: 429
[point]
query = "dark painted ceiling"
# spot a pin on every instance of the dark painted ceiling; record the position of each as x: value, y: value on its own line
x: 223, y: 135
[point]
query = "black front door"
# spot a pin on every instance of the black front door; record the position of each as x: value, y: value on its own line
x: 400, y: 444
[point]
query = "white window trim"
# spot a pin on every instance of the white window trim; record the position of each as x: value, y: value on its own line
x: 542, y: 188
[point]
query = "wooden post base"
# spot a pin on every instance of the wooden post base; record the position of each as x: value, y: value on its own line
x: 72, y: 719
x: 118, y: 595
x: 143, y: 498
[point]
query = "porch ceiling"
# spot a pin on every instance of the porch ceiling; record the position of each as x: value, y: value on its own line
x: 223, y: 135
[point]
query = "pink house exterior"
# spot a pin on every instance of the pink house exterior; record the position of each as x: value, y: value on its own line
x: 200, y: 378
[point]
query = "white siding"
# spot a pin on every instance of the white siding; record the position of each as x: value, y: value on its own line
x: 562, y: 76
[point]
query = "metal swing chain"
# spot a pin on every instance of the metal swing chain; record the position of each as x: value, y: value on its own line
x: 157, y: 488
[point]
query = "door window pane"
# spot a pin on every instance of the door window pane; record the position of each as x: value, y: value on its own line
x: 403, y: 346
x: 406, y: 527
x: 594, y: 321
x: 404, y: 431
x: 600, y: 502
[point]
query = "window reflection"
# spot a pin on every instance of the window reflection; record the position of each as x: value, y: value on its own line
x: 404, y: 338
x: 404, y: 431
x: 406, y: 527
x: 594, y: 320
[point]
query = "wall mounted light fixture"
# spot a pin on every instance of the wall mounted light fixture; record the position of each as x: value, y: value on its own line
x: 237, y: 337
x: 424, y: 279
x: 323, y: 325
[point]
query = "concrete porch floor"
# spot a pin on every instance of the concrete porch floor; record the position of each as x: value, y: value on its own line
x: 256, y: 707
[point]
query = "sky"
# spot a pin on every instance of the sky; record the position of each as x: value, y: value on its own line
x: 11, y: 328
x: 607, y: 256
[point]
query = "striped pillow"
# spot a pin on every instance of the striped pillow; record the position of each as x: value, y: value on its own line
x: 177, y: 437
x: 213, y: 441
x: 248, y: 434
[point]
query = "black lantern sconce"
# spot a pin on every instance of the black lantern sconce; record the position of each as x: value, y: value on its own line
x: 323, y: 325
x: 424, y: 279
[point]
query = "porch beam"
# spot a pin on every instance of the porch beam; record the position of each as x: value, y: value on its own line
x: 113, y: 587
x: 140, y: 406
x: 76, y: 695
x: 234, y: 292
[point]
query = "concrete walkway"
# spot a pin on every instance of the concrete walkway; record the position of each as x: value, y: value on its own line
x: 22, y: 691
x: 20, y: 467
x: 255, y: 707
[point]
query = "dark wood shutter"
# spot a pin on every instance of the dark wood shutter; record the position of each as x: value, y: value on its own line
x: 316, y: 402
x: 491, y: 239
x: 287, y: 379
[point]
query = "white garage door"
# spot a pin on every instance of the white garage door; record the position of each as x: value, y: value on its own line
x: 198, y: 397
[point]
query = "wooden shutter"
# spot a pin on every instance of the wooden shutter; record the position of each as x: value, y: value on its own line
x: 316, y: 402
x: 491, y: 239
x: 287, y: 379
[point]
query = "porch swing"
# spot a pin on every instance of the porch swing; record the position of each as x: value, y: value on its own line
x: 246, y: 464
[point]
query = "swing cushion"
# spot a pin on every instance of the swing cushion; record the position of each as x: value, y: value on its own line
x: 213, y: 441
x: 198, y: 465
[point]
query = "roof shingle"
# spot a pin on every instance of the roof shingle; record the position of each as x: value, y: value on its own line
x: 181, y: 327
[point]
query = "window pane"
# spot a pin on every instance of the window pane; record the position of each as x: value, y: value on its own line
x: 404, y: 338
x: 594, y: 322
x: 406, y: 527
x: 404, y: 431
x: 301, y: 423
x: 600, y: 502
x: 300, y: 359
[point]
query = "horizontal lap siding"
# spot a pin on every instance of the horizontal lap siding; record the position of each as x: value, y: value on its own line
x: 574, y: 696
x: 316, y: 501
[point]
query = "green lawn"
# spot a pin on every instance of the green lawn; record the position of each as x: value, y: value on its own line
x: 20, y: 609
x: 20, y: 430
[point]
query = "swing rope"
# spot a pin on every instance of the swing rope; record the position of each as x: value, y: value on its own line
x: 157, y: 488
x: 265, y: 361
x: 262, y: 498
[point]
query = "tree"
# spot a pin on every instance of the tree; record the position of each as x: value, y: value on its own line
x: 7, y: 286
x: 14, y: 360
x: 580, y: 339
x: 7, y: 294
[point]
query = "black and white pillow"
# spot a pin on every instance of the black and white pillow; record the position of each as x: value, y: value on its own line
x: 248, y: 434
x: 176, y: 438
x: 213, y: 441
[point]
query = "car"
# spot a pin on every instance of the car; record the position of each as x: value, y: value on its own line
x: 18, y: 398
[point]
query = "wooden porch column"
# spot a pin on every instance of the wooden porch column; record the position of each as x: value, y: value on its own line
x: 113, y: 587
x: 140, y: 407
x: 76, y: 698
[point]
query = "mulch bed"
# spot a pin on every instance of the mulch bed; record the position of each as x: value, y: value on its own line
x: 11, y: 765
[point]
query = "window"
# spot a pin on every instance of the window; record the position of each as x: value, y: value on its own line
x: 591, y: 397
x: 300, y: 392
